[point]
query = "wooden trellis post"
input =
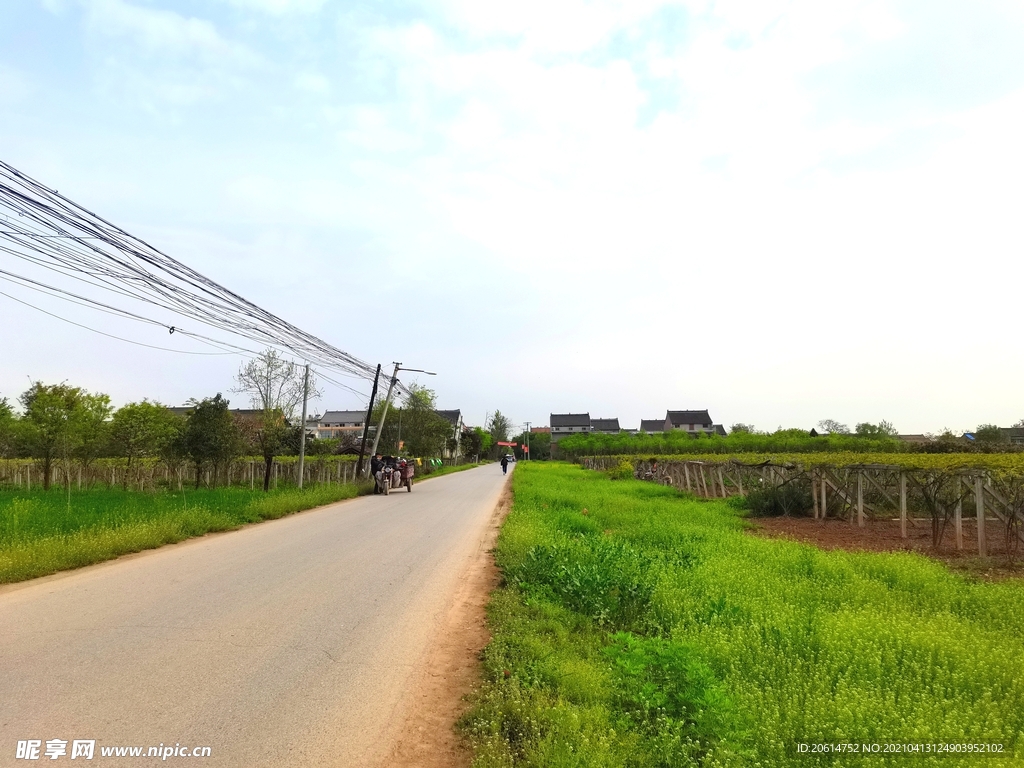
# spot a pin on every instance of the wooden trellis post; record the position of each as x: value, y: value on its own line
x: 903, y: 504
x: 824, y: 497
x: 686, y: 471
x: 958, y: 522
x: 860, y: 498
x: 721, y: 481
x: 979, y: 505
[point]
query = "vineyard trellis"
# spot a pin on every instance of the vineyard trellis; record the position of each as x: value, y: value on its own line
x: 856, y: 491
x: 25, y: 474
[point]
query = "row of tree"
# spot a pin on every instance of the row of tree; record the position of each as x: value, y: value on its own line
x: 59, y: 424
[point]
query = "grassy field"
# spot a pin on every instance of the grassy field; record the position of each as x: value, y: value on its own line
x: 45, y: 532
x: 42, y: 532
x: 638, y: 627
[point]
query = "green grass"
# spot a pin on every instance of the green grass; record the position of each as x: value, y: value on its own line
x: 41, y: 534
x: 652, y: 631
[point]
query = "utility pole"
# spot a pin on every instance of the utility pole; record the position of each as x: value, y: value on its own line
x: 387, y: 402
x: 302, y: 434
x: 527, y: 441
x: 366, y: 424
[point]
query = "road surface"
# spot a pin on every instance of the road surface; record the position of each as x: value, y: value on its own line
x: 288, y: 643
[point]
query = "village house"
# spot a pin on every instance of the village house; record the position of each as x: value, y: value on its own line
x: 455, y: 419
x: 567, y: 424
x: 334, y: 424
x: 605, y: 426
x: 690, y: 421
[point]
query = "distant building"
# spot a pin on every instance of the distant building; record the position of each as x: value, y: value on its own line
x: 605, y: 426
x: 689, y: 421
x: 546, y: 430
x: 1014, y: 434
x: 568, y: 424
x: 916, y: 439
x: 335, y: 424
x: 652, y: 425
x: 455, y: 419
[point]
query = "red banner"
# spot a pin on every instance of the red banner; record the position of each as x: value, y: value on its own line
x: 512, y: 445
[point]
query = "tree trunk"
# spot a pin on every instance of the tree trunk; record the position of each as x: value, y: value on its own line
x: 268, y: 464
x: 199, y: 475
x: 47, y: 471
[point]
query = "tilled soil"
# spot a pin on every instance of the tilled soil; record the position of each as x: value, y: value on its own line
x: 884, y: 536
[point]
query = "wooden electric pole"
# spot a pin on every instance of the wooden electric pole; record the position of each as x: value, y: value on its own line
x: 366, y: 425
x: 302, y: 434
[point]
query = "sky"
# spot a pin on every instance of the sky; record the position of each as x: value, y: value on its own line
x: 779, y: 210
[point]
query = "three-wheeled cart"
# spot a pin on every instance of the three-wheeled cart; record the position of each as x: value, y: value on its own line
x: 406, y: 477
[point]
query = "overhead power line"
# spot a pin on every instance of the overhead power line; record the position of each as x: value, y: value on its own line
x: 43, y: 228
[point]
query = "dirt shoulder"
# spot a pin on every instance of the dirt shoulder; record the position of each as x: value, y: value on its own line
x: 884, y: 536
x: 451, y: 669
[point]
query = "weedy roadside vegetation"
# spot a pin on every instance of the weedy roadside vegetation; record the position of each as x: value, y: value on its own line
x: 42, y: 532
x: 638, y: 626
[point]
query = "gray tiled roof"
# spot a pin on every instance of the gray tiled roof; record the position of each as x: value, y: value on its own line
x: 604, y: 425
x: 689, y: 417
x: 333, y: 418
x: 570, y: 420
x: 451, y: 416
x: 652, y: 425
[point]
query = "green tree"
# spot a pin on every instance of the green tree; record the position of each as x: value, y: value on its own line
x: 8, y: 430
x: 499, y: 426
x: 424, y: 432
x: 141, y: 430
x: 475, y: 442
x: 990, y: 433
x: 540, y: 445
x: 741, y: 427
x: 881, y: 429
x: 60, y: 421
x: 266, y: 434
x: 210, y: 436
x: 415, y: 424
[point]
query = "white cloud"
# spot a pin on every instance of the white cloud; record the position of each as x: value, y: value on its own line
x: 279, y: 7
x: 56, y: 7
x: 668, y: 161
x: 312, y: 82
x: 14, y: 85
x: 165, y: 33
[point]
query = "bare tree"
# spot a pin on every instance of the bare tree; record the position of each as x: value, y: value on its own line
x: 833, y: 427
x: 273, y: 383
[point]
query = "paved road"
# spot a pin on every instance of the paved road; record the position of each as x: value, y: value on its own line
x: 288, y: 643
